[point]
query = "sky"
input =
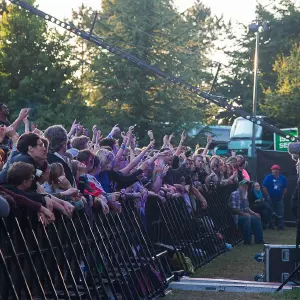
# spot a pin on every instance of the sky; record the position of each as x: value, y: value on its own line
x: 236, y: 10
x: 242, y: 11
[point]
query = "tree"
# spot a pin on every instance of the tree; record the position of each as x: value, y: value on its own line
x: 237, y: 81
x: 156, y: 33
x: 36, y: 69
x: 283, y: 102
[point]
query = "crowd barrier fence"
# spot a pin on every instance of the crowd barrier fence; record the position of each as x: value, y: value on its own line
x: 197, y: 234
x: 113, y: 256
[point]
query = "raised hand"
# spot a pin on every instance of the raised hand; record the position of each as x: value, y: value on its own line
x: 25, y: 120
x: 79, y: 129
x: 73, y: 128
x: 123, y: 135
x: 24, y: 113
x: 131, y: 129
x: 151, y: 145
x: 115, y: 130
x: 183, y: 136
x: 150, y: 134
x: 166, y: 139
x: 85, y: 132
x: 94, y: 129
x: 34, y: 129
x: 98, y: 136
x: 171, y: 137
x: 133, y: 143
x: 209, y: 139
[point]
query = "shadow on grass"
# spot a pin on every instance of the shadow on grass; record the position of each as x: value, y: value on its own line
x: 239, y: 263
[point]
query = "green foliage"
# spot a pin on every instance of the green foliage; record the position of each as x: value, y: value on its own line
x: 237, y: 82
x: 283, y: 102
x: 154, y: 31
x: 36, y: 69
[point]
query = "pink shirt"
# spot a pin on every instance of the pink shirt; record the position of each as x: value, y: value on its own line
x: 245, y: 175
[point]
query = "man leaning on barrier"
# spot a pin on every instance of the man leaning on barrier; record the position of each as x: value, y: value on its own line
x: 244, y: 217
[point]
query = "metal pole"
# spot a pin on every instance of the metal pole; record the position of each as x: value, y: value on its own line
x: 255, y: 79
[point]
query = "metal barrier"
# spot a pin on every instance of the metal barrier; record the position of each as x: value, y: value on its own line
x: 110, y: 257
x: 200, y: 235
x: 113, y: 256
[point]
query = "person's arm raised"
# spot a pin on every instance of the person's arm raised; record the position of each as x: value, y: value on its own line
x: 124, y: 145
x: 179, y: 148
x: 115, y: 130
x: 22, y: 115
x: 166, y: 142
x: 158, y: 155
x: 157, y: 179
x: 170, y: 139
x: 72, y: 131
x: 136, y: 161
x: 151, y: 135
x: 26, y: 123
x: 98, y: 139
x: 209, y: 141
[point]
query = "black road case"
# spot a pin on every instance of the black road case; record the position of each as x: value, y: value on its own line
x: 280, y: 262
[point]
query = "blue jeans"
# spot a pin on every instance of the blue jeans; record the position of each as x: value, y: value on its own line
x: 251, y: 225
x: 278, y: 207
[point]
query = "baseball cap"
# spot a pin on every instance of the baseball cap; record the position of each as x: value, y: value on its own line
x: 275, y: 167
x: 244, y: 181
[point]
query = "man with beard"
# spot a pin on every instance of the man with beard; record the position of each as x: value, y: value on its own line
x: 244, y: 217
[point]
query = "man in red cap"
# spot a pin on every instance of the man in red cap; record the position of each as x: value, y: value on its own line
x: 275, y: 188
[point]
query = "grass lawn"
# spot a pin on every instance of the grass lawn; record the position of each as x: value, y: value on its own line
x: 239, y: 264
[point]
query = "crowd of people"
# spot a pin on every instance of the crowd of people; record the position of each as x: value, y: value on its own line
x: 61, y: 170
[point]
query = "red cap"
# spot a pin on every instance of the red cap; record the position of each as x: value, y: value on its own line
x: 275, y: 167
